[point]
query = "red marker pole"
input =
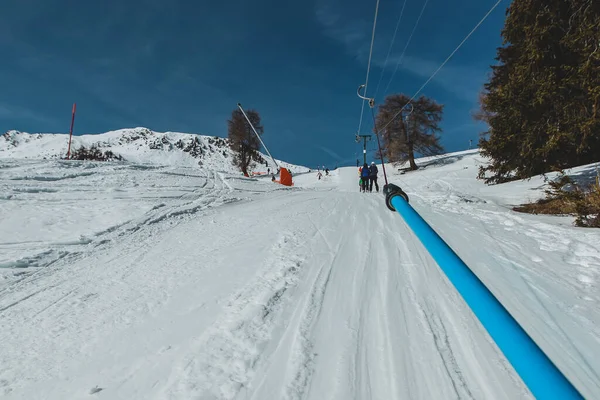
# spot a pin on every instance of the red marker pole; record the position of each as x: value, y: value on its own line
x: 71, y: 130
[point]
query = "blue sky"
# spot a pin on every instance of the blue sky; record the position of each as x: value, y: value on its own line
x: 183, y: 66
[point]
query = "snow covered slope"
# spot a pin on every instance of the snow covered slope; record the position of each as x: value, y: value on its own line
x: 131, y: 281
x: 139, y: 145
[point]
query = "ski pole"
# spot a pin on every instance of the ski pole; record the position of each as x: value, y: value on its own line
x: 538, y: 372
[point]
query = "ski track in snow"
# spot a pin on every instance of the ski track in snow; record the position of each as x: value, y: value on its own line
x: 227, y: 353
x: 193, y: 284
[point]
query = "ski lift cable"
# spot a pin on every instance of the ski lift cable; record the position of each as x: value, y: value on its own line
x: 442, y: 65
x: 257, y: 135
x: 390, y: 48
x: 372, y: 106
x: 405, y: 47
x: 379, y: 145
x: 362, y: 109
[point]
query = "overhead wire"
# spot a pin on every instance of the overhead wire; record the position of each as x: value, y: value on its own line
x: 406, y: 46
x: 387, y: 57
x: 372, y: 100
x: 442, y: 65
x: 377, y: 130
x: 379, y: 145
x: 362, y: 109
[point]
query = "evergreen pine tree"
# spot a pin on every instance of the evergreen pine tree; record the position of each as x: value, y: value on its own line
x: 539, y: 102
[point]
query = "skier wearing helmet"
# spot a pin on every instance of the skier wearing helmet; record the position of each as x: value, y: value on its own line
x: 373, y: 177
x: 365, y: 173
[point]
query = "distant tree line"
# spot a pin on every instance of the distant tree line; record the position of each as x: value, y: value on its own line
x: 94, y: 153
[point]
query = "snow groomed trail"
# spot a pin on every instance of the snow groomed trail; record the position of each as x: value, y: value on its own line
x: 241, y: 289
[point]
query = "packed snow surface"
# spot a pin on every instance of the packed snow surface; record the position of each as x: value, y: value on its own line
x: 133, y: 280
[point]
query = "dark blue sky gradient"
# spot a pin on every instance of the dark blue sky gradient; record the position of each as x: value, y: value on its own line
x: 183, y: 66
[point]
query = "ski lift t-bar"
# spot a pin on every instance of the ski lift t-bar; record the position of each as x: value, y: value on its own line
x: 257, y: 135
x: 538, y: 372
x: 371, y: 100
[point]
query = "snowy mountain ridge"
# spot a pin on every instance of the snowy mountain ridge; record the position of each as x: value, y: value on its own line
x: 140, y: 145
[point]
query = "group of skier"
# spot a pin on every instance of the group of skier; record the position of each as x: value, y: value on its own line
x: 368, y: 177
x: 320, y: 175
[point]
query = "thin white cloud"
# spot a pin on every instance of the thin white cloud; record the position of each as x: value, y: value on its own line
x: 352, y: 33
x: 329, y: 151
x: 11, y: 112
x: 462, y: 80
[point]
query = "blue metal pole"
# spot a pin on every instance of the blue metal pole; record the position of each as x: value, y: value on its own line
x: 538, y: 372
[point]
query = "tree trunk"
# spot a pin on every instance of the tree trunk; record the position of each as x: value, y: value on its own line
x: 247, y: 151
x: 411, y: 157
x: 243, y: 162
x: 410, y: 146
x: 246, y: 157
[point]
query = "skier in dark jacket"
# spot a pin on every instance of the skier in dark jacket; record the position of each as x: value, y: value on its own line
x: 373, y: 177
x: 364, y: 175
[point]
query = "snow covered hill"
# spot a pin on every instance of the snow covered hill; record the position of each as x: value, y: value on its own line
x: 148, y: 281
x: 139, y: 145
